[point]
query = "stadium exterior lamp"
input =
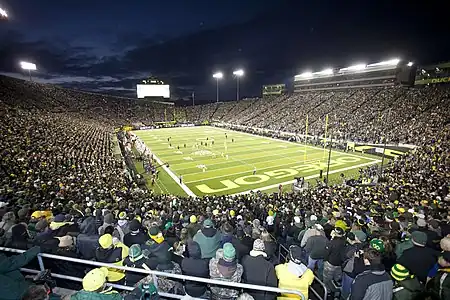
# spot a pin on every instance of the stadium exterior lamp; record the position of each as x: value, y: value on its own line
x: 410, y: 64
x: 238, y: 73
x: 28, y: 66
x: 3, y: 13
x: 217, y: 76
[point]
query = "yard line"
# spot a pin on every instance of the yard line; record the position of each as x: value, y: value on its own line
x: 204, y: 161
x: 309, y: 177
x: 229, y: 175
x: 300, y: 145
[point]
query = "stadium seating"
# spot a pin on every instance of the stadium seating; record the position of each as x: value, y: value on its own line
x: 64, y: 190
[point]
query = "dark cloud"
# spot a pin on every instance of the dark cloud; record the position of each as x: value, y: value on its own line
x: 272, y: 47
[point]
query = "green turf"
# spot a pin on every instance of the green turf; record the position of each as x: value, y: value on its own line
x: 275, y: 161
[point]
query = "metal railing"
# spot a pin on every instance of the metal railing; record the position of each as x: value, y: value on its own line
x: 281, y: 248
x: 155, y: 274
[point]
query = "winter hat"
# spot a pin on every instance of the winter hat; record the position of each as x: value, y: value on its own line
x: 95, y: 279
x: 108, y: 219
x: 399, y: 272
x: 208, y: 223
x: 41, y: 225
x: 22, y: 213
x: 338, y: 231
x: 135, y: 225
x: 122, y: 215
x: 193, y: 219
x: 421, y: 222
x: 419, y: 238
x: 295, y: 254
x: 135, y: 253
x: 153, y: 231
x: 59, y: 218
x: 65, y: 241
x: 377, y: 244
x: 258, y: 248
x: 229, y: 253
x: 106, y: 241
x: 360, y: 235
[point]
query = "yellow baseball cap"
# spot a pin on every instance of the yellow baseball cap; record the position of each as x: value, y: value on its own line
x: 95, y: 279
x: 193, y: 219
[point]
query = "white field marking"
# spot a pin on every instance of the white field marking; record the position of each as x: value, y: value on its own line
x: 282, y: 146
x: 308, y: 177
x: 243, y: 172
x: 188, y: 158
x: 175, y: 178
x: 259, y: 162
x: 266, y: 142
x: 167, y: 157
x: 300, y: 145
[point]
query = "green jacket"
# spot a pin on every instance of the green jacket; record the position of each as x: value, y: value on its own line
x: 407, y: 289
x: 400, y: 248
x: 12, y: 283
x: 84, y: 295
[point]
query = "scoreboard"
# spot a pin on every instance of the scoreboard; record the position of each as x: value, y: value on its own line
x: 273, y: 89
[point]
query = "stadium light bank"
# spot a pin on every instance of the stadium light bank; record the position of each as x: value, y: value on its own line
x: 357, y: 68
x: 217, y: 76
x: 238, y: 73
x: 3, y: 13
x: 28, y: 66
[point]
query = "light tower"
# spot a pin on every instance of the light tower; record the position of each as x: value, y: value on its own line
x: 238, y: 73
x: 217, y: 76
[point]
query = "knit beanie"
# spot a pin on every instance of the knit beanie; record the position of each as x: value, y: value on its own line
x: 229, y: 253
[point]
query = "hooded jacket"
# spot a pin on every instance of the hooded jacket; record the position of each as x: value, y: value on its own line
x: 12, y: 283
x: 258, y: 270
x: 290, y: 281
x: 407, y: 289
x: 372, y: 284
x: 209, y: 240
x: 194, y: 265
x: 87, y: 240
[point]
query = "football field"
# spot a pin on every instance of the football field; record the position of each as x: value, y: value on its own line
x: 213, y: 160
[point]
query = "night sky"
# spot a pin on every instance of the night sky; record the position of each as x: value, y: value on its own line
x: 108, y: 46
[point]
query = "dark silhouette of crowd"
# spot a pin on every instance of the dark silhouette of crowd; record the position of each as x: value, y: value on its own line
x: 65, y: 191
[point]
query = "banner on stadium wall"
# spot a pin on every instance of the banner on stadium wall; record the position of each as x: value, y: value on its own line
x: 433, y: 80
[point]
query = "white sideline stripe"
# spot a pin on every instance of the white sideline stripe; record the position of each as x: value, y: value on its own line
x: 293, y: 143
x: 308, y: 177
x: 258, y: 169
x: 174, y: 177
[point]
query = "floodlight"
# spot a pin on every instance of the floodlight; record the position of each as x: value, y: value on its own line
x: 410, y: 64
x: 3, y: 13
x: 328, y: 71
x: 391, y: 62
x: 239, y: 73
x: 306, y: 74
x: 357, y: 67
x: 218, y: 75
x: 28, y: 66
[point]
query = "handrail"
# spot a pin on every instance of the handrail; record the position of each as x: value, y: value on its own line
x: 325, y: 291
x: 158, y: 273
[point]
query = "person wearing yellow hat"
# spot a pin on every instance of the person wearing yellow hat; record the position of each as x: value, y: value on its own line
x: 94, y: 287
x: 193, y: 227
x: 113, y: 254
x: 406, y: 286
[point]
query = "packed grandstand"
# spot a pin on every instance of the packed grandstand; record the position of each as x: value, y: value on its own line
x: 68, y: 189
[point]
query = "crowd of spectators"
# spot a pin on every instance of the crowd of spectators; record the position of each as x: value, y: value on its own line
x: 65, y: 192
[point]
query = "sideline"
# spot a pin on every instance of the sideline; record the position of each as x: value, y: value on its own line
x: 174, y: 177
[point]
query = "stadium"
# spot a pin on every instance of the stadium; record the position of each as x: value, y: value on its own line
x: 334, y: 186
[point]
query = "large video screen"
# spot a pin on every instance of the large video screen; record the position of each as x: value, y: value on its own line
x: 153, y: 90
